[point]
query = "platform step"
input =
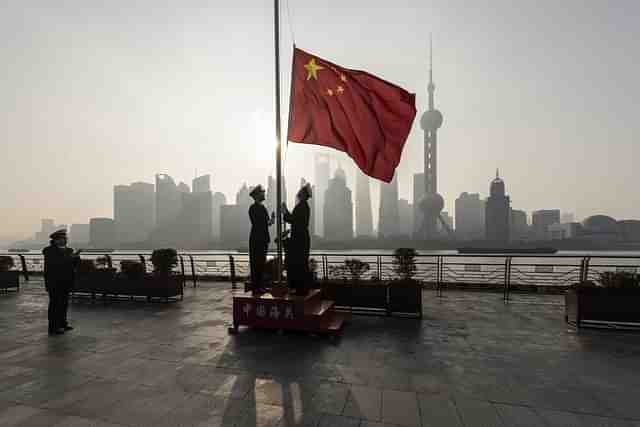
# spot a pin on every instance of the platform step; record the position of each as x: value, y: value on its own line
x: 333, y: 323
x: 318, y: 309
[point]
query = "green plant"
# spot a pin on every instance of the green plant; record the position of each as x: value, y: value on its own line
x: 6, y: 263
x: 313, y: 265
x: 404, y: 263
x: 356, y: 268
x: 164, y: 260
x: 132, y: 269
x: 86, y: 266
x: 619, y: 280
x: 339, y: 272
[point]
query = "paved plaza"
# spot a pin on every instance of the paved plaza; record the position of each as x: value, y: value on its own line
x: 472, y: 361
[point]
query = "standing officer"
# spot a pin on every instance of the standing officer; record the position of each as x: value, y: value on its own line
x: 59, y: 264
x: 259, y: 236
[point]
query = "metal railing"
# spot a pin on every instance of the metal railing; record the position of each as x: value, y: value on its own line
x: 500, y: 272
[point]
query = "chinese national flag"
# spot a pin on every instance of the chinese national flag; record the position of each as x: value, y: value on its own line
x: 351, y: 111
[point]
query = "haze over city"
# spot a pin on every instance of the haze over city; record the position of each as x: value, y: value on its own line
x: 98, y: 94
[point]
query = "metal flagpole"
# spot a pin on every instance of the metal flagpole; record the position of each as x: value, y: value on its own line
x: 276, y: 6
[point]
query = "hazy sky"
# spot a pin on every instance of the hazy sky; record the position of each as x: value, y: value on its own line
x: 96, y: 93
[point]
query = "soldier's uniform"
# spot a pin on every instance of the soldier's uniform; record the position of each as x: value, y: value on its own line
x: 59, y: 266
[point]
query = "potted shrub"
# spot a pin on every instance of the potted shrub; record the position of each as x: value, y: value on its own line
x: 405, y: 293
x: 130, y: 280
x: 615, y: 297
x: 8, y: 278
x: 164, y: 282
x: 365, y: 294
x: 337, y: 287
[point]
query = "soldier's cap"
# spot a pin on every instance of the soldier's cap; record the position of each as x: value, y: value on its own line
x: 306, y: 189
x: 257, y: 189
x: 58, y: 234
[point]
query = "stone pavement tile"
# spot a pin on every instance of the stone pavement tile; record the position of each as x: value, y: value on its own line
x: 559, y: 418
x: 519, y: 416
x: 329, y: 398
x: 438, y: 410
x: 478, y: 413
x: 400, y: 407
x: 12, y: 376
x: 364, y: 402
x: 261, y: 415
x: 622, y: 404
x: 330, y: 420
x: 27, y: 416
x: 194, y: 409
x: 43, y: 388
x: 73, y: 421
x: 593, y: 421
x: 100, y: 398
x: 230, y: 385
x: 299, y: 417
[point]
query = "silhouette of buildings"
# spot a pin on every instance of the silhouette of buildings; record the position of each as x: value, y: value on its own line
x: 541, y: 220
x: 389, y: 216
x: 519, y: 225
x: 405, y: 212
x: 418, y: 214
x: 338, y: 208
x: 470, y: 217
x: 201, y: 184
x: 321, y: 167
x: 133, y: 211
x: 498, y: 212
x: 197, y: 212
x: 364, y: 214
x: 234, y: 219
x: 567, y: 217
x: 447, y: 222
x: 168, y: 201
x: 218, y: 200
x: 79, y: 235
x: 47, y: 226
x: 102, y: 233
x: 432, y: 203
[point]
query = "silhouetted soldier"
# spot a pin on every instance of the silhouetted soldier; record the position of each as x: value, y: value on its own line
x: 59, y: 265
x: 300, y: 242
x: 259, y: 236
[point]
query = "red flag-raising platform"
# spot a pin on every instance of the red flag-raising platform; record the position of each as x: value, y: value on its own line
x: 289, y: 312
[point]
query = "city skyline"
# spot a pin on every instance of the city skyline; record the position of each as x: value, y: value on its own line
x: 111, y: 99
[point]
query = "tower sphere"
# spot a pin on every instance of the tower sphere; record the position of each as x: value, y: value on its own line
x: 432, y: 203
x: 431, y: 120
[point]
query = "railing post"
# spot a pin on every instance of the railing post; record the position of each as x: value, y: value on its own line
x: 193, y: 271
x: 325, y: 268
x: 109, y: 261
x: 232, y: 272
x: 585, y: 271
x: 184, y: 280
x: 507, y: 279
x: 25, y: 270
x: 439, y: 275
x: 144, y: 264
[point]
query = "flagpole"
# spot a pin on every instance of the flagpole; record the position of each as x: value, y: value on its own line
x: 276, y: 5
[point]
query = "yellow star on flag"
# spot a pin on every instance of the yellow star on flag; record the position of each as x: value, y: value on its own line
x: 312, y: 69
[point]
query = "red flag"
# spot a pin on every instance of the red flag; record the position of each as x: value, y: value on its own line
x: 351, y: 111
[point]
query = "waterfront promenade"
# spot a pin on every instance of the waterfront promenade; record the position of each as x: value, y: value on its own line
x: 472, y: 361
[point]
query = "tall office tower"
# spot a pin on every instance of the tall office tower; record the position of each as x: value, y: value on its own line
x: 79, y: 234
x: 498, y: 212
x: 168, y: 201
x: 218, y: 200
x: 364, y: 215
x: 338, y: 208
x: 541, y: 220
x: 519, y: 225
x: 389, y: 217
x: 321, y: 165
x: 133, y: 211
x: 470, y: 217
x: 243, y: 198
x: 406, y: 212
x: 201, y: 184
x: 432, y: 203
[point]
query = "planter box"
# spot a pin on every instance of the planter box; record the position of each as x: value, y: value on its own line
x: 362, y: 295
x: 9, y: 279
x: 107, y: 282
x: 405, y: 297
x: 94, y: 282
x: 602, y: 305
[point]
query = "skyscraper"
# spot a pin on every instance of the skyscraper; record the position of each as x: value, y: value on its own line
x: 134, y: 211
x: 102, y: 233
x: 364, y: 217
x: 218, y: 200
x: 418, y: 214
x: 389, y: 219
x: 201, y: 184
x: 321, y: 166
x: 541, y: 220
x: 470, y: 217
x: 431, y: 203
x: 519, y: 225
x: 498, y: 212
x: 79, y: 234
x: 243, y: 198
x: 406, y: 212
x: 168, y: 201
x: 338, y: 208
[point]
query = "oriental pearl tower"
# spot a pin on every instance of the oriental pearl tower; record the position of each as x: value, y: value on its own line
x: 431, y: 203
